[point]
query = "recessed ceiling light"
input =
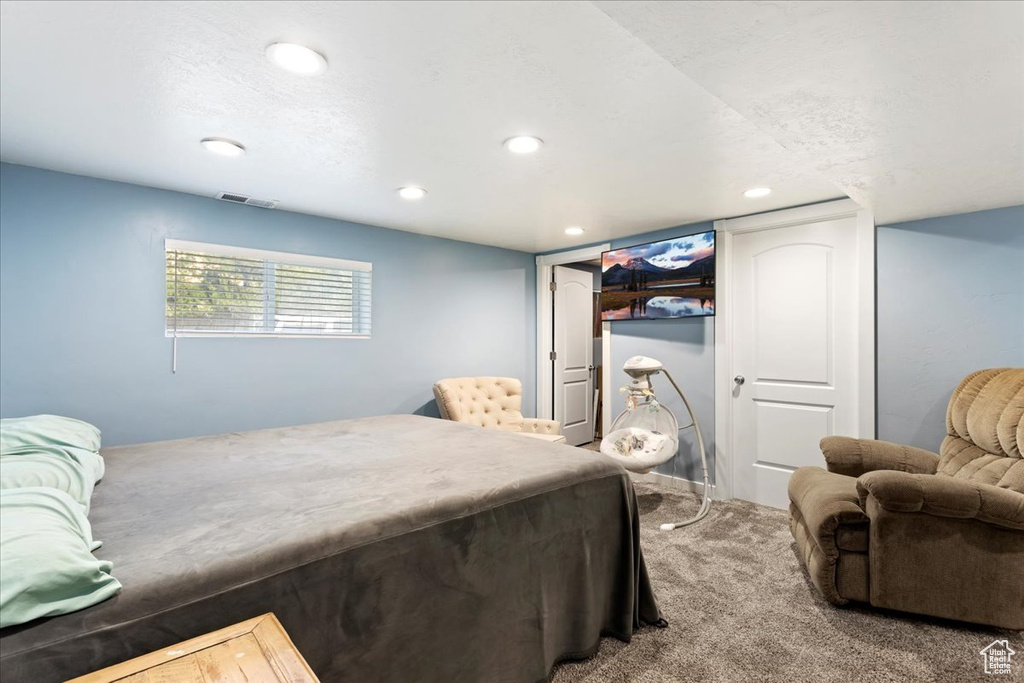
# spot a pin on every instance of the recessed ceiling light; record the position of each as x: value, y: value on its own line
x: 523, y: 144
x: 756, y: 192
x: 298, y: 59
x: 574, y: 230
x: 412, y: 193
x: 227, y: 148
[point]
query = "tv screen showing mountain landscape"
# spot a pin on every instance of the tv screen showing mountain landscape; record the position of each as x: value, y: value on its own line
x: 673, y: 278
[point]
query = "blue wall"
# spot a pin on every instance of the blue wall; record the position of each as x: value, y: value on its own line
x: 687, y: 349
x: 950, y: 301
x: 82, y: 327
x: 81, y: 318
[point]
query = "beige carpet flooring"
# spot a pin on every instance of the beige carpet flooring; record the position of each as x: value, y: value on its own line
x: 740, y: 608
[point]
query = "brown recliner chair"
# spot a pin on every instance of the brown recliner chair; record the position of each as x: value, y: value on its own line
x: 903, y: 528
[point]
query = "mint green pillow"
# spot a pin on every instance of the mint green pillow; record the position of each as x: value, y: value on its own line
x: 46, y: 561
x: 48, y: 430
x: 91, y: 463
x: 71, y: 470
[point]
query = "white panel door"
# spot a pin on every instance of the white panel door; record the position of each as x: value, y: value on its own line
x: 574, y: 353
x: 794, y: 354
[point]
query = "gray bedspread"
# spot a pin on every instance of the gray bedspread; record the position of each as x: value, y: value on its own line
x: 396, y: 548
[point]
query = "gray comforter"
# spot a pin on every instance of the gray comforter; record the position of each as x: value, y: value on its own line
x: 395, y: 548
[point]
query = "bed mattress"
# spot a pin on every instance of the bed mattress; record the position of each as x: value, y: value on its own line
x: 397, y: 548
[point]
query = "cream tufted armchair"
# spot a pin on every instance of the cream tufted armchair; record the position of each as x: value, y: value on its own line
x: 492, y: 402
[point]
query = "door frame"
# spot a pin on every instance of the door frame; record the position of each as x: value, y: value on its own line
x: 545, y: 331
x: 724, y: 231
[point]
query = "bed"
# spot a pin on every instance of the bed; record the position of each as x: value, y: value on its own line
x: 397, y: 548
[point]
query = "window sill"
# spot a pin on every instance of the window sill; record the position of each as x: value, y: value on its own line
x: 259, y: 335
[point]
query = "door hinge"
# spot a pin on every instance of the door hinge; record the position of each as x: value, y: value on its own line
x: 553, y: 355
x: 553, y: 286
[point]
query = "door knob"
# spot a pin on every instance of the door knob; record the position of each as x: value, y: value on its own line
x: 739, y: 379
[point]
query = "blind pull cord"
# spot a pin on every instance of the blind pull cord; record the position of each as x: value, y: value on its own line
x: 174, y: 341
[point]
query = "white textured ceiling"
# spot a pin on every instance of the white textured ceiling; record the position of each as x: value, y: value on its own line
x: 660, y: 115
x: 914, y: 109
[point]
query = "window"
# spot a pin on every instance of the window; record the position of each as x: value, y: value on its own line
x: 215, y: 290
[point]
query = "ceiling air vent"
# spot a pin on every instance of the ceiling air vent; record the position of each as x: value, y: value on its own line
x: 249, y: 201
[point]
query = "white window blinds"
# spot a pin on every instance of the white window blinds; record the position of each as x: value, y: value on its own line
x: 216, y: 290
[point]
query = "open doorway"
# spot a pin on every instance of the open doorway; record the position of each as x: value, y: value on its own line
x: 572, y: 344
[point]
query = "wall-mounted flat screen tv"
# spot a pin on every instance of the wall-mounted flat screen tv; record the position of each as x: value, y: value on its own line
x: 673, y: 278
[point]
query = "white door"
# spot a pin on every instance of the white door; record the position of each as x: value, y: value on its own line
x: 574, y: 353
x: 794, y: 358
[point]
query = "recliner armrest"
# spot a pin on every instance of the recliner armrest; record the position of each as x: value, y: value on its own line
x: 943, y: 496
x: 825, y: 502
x: 534, y: 425
x: 854, y: 457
